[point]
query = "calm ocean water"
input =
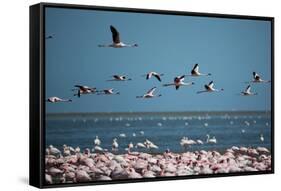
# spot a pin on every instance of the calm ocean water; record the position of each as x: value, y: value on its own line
x: 163, y: 129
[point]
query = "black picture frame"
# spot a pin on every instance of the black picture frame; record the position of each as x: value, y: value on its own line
x: 37, y: 92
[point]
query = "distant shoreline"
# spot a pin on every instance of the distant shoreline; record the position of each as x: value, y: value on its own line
x: 178, y: 114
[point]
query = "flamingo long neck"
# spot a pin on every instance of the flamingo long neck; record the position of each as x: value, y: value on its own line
x: 204, y: 74
x: 187, y: 84
x: 106, y: 45
x: 129, y: 45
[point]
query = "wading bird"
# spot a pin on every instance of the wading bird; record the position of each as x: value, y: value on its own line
x: 211, y: 140
x: 115, y: 145
x: 185, y: 142
x: 261, y: 138
x: 97, y: 141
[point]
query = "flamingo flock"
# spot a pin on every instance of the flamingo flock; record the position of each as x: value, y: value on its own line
x: 147, y: 144
x: 177, y: 82
x: 72, y: 165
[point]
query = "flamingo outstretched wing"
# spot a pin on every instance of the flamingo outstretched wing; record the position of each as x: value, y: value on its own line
x: 151, y: 90
x: 195, y: 68
x: 115, y: 34
x: 256, y: 76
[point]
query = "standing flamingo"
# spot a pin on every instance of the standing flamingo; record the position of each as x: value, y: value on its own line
x: 115, y: 145
x: 97, y: 141
x: 211, y: 140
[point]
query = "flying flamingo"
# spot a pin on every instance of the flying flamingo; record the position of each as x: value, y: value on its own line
x: 84, y: 90
x: 116, y: 40
x: 247, y: 92
x: 210, y: 88
x: 119, y: 78
x: 153, y: 74
x: 257, y: 79
x: 195, y: 71
x: 49, y: 37
x: 179, y: 81
x: 108, y: 92
x: 150, y: 94
x: 57, y: 99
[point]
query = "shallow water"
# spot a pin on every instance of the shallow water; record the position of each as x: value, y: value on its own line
x: 163, y: 129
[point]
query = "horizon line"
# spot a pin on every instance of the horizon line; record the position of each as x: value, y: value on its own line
x: 147, y: 112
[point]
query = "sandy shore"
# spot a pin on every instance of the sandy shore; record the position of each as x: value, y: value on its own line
x: 75, y: 166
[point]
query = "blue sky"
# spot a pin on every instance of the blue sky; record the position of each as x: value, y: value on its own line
x: 230, y: 49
